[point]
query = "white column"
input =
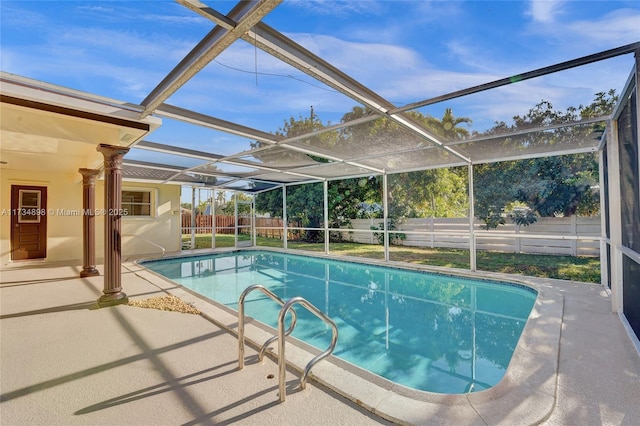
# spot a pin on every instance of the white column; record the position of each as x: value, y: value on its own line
x: 285, y: 225
x: 615, y: 226
x: 385, y: 215
x: 193, y: 217
x: 604, y: 280
x: 472, y: 214
x: 326, y: 216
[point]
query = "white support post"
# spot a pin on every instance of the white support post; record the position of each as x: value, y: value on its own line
x: 326, y: 216
x: 193, y: 217
x: 213, y: 218
x: 432, y: 229
x: 253, y: 221
x: 604, y: 267
x: 615, y: 226
x: 574, y: 232
x: 285, y: 224
x: 235, y: 214
x: 385, y: 215
x: 472, y: 214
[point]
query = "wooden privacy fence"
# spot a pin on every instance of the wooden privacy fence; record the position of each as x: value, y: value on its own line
x: 265, y: 226
x: 271, y: 227
x: 224, y: 224
x: 581, y: 235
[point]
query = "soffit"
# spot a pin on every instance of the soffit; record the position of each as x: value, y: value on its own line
x: 47, y: 129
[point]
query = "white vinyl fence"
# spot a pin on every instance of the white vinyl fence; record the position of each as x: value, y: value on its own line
x: 575, y: 236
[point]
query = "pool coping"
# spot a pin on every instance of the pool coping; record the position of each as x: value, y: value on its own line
x: 525, y: 395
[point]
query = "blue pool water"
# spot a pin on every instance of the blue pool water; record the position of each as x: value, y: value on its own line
x: 430, y: 332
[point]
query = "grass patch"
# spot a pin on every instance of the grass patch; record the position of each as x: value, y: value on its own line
x: 574, y: 268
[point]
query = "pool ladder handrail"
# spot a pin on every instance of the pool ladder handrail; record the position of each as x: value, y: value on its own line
x: 263, y: 349
x: 282, y: 368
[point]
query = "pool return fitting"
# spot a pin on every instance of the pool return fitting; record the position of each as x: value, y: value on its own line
x: 282, y: 334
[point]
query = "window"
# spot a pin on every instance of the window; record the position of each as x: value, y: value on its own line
x: 138, y: 203
x: 29, y: 206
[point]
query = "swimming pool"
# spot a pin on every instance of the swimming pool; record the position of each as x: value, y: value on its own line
x: 426, y: 331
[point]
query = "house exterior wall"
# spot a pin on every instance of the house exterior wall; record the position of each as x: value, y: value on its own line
x: 142, y: 235
x: 64, y: 221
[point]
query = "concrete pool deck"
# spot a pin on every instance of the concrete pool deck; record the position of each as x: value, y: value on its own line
x: 63, y: 362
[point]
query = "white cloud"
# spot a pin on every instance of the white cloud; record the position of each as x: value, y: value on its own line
x: 466, y: 52
x: 545, y: 11
x: 603, y: 31
x: 337, y: 8
x: 176, y: 19
x: 144, y: 48
x: 376, y: 65
x: 96, y: 9
x: 619, y: 27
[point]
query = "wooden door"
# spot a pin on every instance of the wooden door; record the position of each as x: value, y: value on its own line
x: 28, y: 222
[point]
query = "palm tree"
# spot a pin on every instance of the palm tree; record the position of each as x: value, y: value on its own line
x: 447, y: 128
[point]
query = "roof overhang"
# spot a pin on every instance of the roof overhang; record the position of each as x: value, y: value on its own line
x: 46, y: 127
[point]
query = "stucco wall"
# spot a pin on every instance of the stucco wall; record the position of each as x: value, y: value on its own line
x: 64, y: 222
x: 142, y: 236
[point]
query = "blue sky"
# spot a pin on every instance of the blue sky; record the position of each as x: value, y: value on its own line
x: 405, y: 51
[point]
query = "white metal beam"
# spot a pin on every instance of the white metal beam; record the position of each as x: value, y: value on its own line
x: 607, y: 54
x: 285, y: 49
x: 245, y: 15
x: 188, y: 116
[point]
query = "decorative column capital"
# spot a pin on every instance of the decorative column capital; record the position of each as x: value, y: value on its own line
x: 112, y: 155
x: 89, y: 176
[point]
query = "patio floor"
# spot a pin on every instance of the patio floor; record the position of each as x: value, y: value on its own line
x: 64, y: 362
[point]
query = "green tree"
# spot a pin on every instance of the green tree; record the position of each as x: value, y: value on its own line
x: 441, y: 193
x: 549, y: 186
x: 448, y: 127
x: 353, y: 199
x: 429, y: 193
x: 305, y: 203
x: 229, y: 208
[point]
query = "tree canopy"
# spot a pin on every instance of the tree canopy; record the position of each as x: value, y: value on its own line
x: 522, y: 189
x: 562, y: 185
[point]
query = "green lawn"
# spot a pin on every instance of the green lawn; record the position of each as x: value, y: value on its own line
x: 581, y: 268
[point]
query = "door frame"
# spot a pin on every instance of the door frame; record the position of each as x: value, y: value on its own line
x: 40, y: 213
